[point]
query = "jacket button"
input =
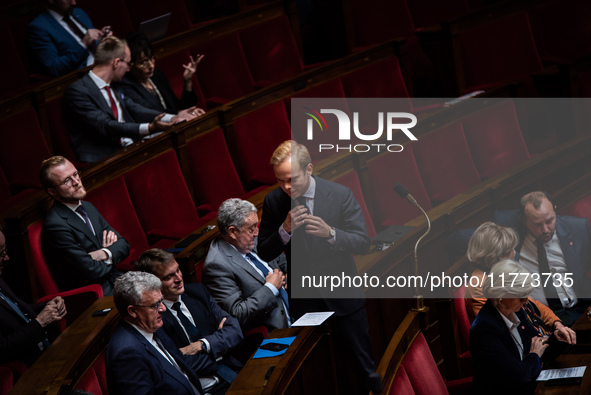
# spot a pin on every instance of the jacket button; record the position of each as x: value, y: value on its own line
x: 282, y: 312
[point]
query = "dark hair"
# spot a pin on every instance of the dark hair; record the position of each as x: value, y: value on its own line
x: 151, y: 258
x: 138, y: 44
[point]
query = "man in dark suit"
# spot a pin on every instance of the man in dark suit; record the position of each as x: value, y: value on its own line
x: 193, y: 320
x: 62, y: 39
x: 243, y: 284
x: 319, y: 235
x: 80, y: 247
x: 100, y: 120
x: 141, y: 358
x: 22, y: 325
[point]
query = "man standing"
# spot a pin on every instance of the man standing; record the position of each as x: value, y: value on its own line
x: 140, y: 358
x: 22, y: 326
x: 61, y: 39
x: 101, y: 120
x: 243, y: 284
x: 553, y: 245
x: 319, y: 235
x: 193, y: 320
x: 80, y: 247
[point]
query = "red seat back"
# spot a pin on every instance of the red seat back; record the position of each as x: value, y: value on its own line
x: 172, y: 67
x: 102, y: 14
x: 581, y: 208
x: 351, y: 181
x: 385, y: 20
x: 379, y: 79
x: 13, y: 76
x: 401, y: 384
x: 383, y: 172
x: 253, y: 139
x: 161, y: 198
x: 121, y: 216
x: 45, y: 282
x: 462, y: 316
x: 422, y: 370
x: 445, y: 163
x: 495, y: 139
x: 59, y: 134
x: 271, y: 50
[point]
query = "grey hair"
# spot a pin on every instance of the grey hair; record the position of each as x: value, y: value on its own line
x: 130, y: 287
x: 233, y: 212
x: 508, y: 279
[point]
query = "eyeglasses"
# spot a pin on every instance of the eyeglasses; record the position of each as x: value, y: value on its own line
x: 130, y: 63
x: 3, y: 254
x: 154, y: 306
x: 146, y: 62
x: 68, y: 181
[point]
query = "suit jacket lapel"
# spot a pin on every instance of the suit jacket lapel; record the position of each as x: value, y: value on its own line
x: 76, y: 222
x: 97, y: 95
x: 56, y: 26
x: 240, y: 261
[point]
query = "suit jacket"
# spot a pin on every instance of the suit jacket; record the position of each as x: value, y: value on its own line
x: 134, y: 90
x: 312, y: 255
x: 53, y: 50
x: 574, y: 235
x: 497, y: 365
x: 19, y: 340
x: 207, y: 316
x: 135, y: 366
x: 240, y: 289
x: 67, y: 240
x: 92, y: 127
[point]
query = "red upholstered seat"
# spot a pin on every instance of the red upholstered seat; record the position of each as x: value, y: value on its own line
x: 59, y: 134
x: 351, y: 181
x: 422, y: 370
x: 162, y: 200
x: 172, y: 67
x: 77, y: 300
x: 581, y: 208
x: 13, y: 76
x: 445, y: 163
x: 143, y: 10
x: 430, y: 12
x: 401, y: 384
x: 464, y: 328
x: 498, y: 52
x: 95, y: 378
x: 385, y: 20
x: 379, y: 79
x: 103, y: 13
x: 253, y: 138
x: 383, y: 172
x: 271, y: 50
x: 6, y: 380
x: 23, y: 148
x: 121, y: 216
x: 495, y: 139
x: 210, y: 162
x: 223, y: 74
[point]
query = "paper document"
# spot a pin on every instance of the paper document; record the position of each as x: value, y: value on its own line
x: 565, y: 373
x: 313, y: 319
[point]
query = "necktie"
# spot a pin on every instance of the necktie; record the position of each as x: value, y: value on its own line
x: 265, y: 271
x: 301, y: 201
x: 73, y: 27
x: 550, y: 289
x: 80, y: 210
x: 193, y: 332
x: 17, y: 309
x: 113, y: 104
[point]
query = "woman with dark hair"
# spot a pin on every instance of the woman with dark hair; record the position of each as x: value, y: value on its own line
x: 148, y: 86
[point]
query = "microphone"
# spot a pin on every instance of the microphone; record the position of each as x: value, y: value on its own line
x: 403, y: 192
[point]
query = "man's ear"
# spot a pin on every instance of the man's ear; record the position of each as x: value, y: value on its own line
x: 309, y: 169
x: 51, y: 192
x: 131, y: 311
x: 232, y: 232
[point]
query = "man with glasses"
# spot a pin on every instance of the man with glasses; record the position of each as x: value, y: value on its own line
x: 142, y: 359
x: 99, y: 118
x: 244, y: 285
x: 79, y: 245
x: 22, y: 325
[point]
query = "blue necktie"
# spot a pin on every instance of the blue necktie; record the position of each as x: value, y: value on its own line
x: 193, y: 332
x: 265, y: 272
x: 80, y: 210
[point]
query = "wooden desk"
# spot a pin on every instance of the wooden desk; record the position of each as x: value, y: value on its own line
x: 580, y: 355
x: 72, y: 353
x: 306, y: 367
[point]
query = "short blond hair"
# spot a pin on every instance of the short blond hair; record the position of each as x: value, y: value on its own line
x: 490, y: 243
x: 291, y: 148
x: 45, y: 169
x: 109, y: 48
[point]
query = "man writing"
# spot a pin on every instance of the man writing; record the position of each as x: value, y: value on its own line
x: 194, y: 321
x: 79, y: 245
x: 100, y: 120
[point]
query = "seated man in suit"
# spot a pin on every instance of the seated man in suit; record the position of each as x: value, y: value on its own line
x: 249, y: 288
x: 80, y: 247
x: 22, y: 325
x: 62, y: 39
x: 101, y: 120
x: 141, y: 359
x: 548, y: 244
x: 193, y: 320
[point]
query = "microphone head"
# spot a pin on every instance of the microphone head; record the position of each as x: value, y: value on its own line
x: 401, y: 190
